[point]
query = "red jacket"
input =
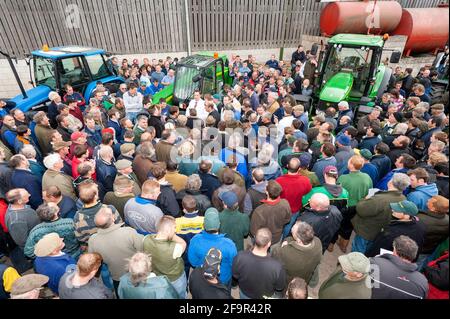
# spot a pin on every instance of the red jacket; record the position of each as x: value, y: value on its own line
x: 294, y: 188
x: 3, y: 209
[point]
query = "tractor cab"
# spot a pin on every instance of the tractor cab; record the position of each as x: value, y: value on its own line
x: 350, y: 69
x: 79, y: 67
x: 205, y: 72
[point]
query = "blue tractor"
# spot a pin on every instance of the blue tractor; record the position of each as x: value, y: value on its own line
x: 53, y: 68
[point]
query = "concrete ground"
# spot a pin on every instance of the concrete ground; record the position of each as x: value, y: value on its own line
x: 326, y: 268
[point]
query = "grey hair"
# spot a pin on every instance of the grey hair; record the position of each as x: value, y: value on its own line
x: 47, y: 213
x: 401, y: 181
x: 140, y: 267
x: 28, y: 151
x: 147, y: 150
x: 194, y: 182
x: 405, y: 247
x: 305, y: 233
x: 401, y: 129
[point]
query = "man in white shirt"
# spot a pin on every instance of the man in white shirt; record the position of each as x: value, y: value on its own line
x: 286, y: 121
x: 133, y: 102
x: 199, y: 105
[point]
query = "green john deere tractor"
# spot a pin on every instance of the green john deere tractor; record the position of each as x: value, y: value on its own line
x: 350, y: 69
x: 207, y: 72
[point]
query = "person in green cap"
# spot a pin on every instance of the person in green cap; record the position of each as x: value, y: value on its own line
x: 403, y: 222
x: 350, y: 280
x: 201, y: 244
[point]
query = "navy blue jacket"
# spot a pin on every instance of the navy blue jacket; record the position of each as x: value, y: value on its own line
x: 117, y: 128
x: 383, y: 163
x: 427, y: 135
x: 210, y: 183
x: 105, y: 177
x: 94, y: 138
x: 369, y: 143
x: 67, y: 207
x: 21, y: 178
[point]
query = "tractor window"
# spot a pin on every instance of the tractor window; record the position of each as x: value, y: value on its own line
x: 44, y: 72
x: 98, y: 67
x: 184, y: 86
x: 71, y: 71
x: 356, y: 61
x: 209, y: 80
x: 219, y: 76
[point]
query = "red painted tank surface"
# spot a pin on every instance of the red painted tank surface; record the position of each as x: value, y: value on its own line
x: 426, y: 28
x: 356, y: 17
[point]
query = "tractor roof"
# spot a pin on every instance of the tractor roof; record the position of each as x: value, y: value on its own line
x: 67, y: 51
x: 202, y: 59
x: 358, y: 39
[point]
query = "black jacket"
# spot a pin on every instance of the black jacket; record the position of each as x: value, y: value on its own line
x: 167, y: 201
x: 383, y: 163
x: 396, y: 279
x: 442, y: 185
x: 156, y: 122
x: 65, y: 133
x: 325, y: 224
x: 298, y: 56
x: 203, y: 202
x: 5, y: 179
x: 414, y: 229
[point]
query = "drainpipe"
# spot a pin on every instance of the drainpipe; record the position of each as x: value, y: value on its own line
x: 16, y: 75
x: 188, y: 27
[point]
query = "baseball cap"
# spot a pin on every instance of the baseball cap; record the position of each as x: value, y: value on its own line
x: 216, y: 96
x: 355, y: 262
x: 366, y: 154
x: 76, y: 135
x: 343, y: 140
x: 123, y: 164
x: 47, y: 245
x: 211, y: 266
x: 109, y: 130
x: 405, y: 207
x: 211, y: 221
x: 28, y: 283
x: 59, y: 145
x: 228, y: 198
x: 305, y: 160
x: 332, y: 170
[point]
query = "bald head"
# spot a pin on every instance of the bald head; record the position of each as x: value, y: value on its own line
x: 258, y: 175
x: 104, y: 218
x: 320, y: 202
x: 294, y: 165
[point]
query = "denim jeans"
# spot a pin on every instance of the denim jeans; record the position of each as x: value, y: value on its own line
x: 132, y: 116
x: 288, y: 227
x: 360, y: 244
x: 180, y: 286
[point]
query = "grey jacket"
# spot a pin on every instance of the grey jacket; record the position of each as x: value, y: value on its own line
x: 20, y: 222
x: 116, y: 244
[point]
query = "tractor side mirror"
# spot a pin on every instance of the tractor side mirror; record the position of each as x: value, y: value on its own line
x: 197, y: 78
x: 314, y: 49
x: 395, y: 57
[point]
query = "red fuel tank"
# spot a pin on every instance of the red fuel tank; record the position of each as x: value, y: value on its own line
x: 426, y: 28
x: 356, y: 17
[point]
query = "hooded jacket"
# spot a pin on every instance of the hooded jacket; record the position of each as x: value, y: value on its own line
x: 333, y: 192
x: 421, y: 194
x: 398, y: 279
x: 325, y: 223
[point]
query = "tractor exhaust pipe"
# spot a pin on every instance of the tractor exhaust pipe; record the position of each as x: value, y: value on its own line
x: 16, y: 75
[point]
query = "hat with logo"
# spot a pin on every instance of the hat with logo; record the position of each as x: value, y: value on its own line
x: 28, y: 283
x: 228, y: 198
x: 355, y: 262
x: 331, y: 170
x: 211, y: 221
x: 405, y: 207
x: 211, y: 266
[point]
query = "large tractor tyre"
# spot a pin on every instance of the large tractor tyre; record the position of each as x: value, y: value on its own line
x: 438, y: 92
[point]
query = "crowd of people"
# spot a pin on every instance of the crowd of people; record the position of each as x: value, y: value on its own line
x: 117, y: 197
